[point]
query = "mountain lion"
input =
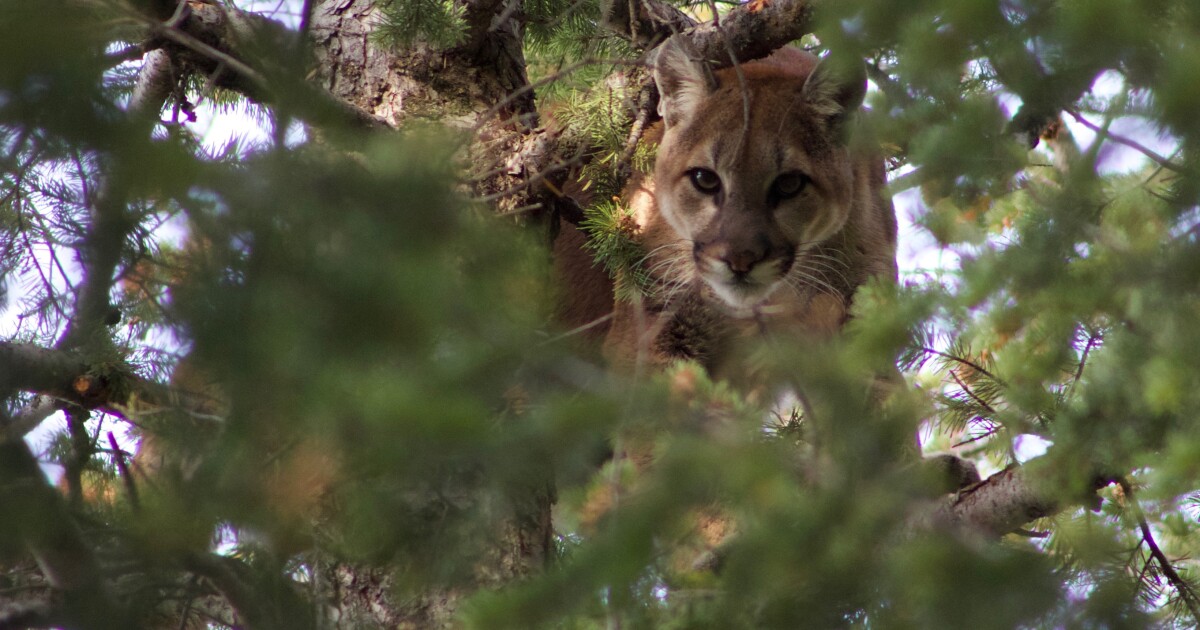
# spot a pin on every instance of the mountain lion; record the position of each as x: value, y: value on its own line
x: 759, y: 215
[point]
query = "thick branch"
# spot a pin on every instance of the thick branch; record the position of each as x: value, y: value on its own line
x: 260, y: 601
x: 998, y: 505
x: 752, y: 30
x: 39, y: 409
x: 156, y: 80
x: 213, y: 40
x: 751, y: 33
x: 101, y: 252
x: 67, y: 375
x: 61, y: 374
x: 211, y: 36
x: 1002, y: 503
x: 645, y: 23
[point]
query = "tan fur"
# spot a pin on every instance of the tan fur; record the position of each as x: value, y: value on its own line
x: 839, y: 231
x: 586, y: 292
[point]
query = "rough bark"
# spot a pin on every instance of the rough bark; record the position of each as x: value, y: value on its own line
x: 479, y: 86
x: 1005, y: 502
x: 243, y: 52
x: 998, y: 505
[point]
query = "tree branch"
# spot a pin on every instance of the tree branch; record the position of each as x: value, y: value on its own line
x: 39, y: 409
x: 645, y: 23
x: 211, y: 39
x: 1137, y: 146
x: 283, y: 608
x: 749, y: 31
x: 111, y: 221
x: 997, y: 505
x: 156, y: 80
x: 752, y: 33
x: 50, y: 534
x: 1181, y: 585
x: 1000, y: 504
x: 62, y: 374
x: 66, y: 375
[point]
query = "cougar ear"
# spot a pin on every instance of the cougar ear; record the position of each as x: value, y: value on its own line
x: 683, y: 79
x: 836, y: 87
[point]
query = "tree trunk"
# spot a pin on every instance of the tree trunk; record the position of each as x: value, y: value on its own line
x: 478, y: 86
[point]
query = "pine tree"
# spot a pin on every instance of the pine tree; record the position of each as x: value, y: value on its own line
x: 314, y: 379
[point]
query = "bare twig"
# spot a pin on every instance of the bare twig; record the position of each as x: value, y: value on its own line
x: 1180, y: 585
x: 989, y: 433
x: 578, y: 329
x: 533, y: 179
x: 1133, y: 144
x: 983, y: 403
x: 128, y: 53
x: 1093, y: 339
x: 645, y: 23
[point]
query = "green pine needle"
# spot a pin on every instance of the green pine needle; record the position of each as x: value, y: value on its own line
x: 438, y: 22
x: 611, y: 231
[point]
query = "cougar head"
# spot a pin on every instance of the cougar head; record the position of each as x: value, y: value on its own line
x: 753, y: 168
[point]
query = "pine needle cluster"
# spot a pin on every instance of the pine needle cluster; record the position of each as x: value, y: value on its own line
x: 405, y: 22
x: 567, y: 30
x: 602, y: 116
x: 612, y: 238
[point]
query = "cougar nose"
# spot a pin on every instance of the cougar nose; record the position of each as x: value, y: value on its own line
x: 741, y: 257
x: 742, y: 261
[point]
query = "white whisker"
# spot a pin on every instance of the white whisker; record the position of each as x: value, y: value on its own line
x: 817, y: 284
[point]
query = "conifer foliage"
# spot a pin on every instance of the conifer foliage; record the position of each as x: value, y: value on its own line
x: 311, y: 377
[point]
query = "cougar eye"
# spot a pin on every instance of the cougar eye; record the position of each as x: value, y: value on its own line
x: 705, y: 180
x: 789, y: 185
